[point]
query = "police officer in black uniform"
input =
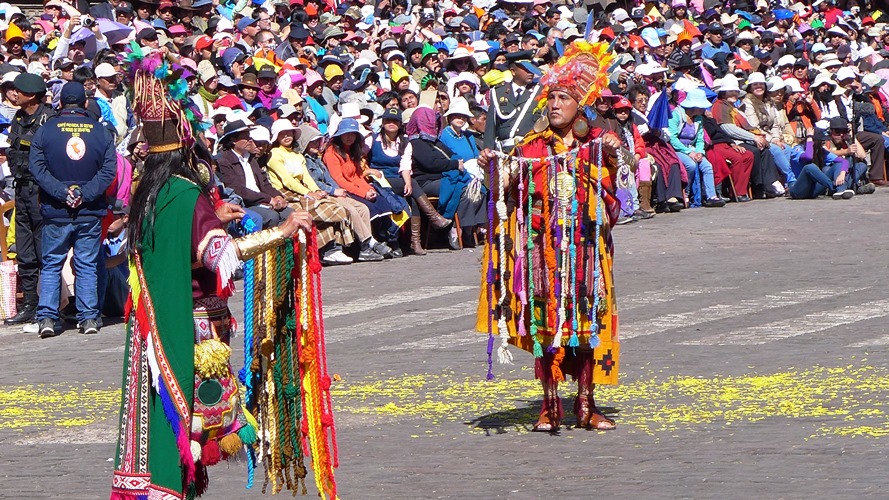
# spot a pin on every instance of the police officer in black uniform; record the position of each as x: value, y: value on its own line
x: 511, y: 113
x: 74, y: 162
x: 32, y: 114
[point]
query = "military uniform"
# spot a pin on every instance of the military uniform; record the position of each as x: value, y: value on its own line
x: 510, y: 117
x: 28, y: 221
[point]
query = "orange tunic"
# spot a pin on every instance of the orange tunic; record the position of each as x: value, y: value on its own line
x: 546, y: 268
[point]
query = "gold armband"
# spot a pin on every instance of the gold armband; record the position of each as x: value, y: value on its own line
x: 256, y: 243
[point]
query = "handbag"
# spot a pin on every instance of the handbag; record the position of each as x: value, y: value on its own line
x: 8, y: 286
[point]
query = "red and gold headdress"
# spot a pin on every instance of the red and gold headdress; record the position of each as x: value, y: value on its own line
x: 160, y: 101
x: 582, y: 72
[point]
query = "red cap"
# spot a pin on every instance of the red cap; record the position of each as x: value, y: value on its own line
x: 621, y: 102
x: 311, y: 10
x: 203, y: 42
x: 165, y: 5
x: 867, y: 21
x: 297, y: 2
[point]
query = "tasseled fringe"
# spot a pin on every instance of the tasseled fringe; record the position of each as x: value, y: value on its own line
x: 210, y: 454
x: 182, y: 440
x: 201, y: 480
x: 559, y: 356
x: 230, y: 444
x: 504, y: 357
x: 247, y: 434
x: 225, y: 269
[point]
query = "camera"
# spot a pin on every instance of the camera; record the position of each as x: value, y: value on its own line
x: 87, y: 22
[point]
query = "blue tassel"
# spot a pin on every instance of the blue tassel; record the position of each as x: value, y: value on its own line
x: 538, y: 350
x: 169, y: 409
x: 573, y: 341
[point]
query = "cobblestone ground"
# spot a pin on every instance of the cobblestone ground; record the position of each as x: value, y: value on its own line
x: 754, y: 364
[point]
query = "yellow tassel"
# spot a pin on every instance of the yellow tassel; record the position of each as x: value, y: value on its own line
x: 231, y: 444
x: 211, y: 358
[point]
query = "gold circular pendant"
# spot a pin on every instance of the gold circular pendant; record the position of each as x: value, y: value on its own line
x: 563, y: 186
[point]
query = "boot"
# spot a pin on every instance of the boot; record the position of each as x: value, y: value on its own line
x: 25, y: 315
x: 645, y: 197
x: 416, y: 246
x: 438, y: 222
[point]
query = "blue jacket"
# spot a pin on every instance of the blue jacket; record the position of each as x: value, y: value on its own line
x: 73, y: 149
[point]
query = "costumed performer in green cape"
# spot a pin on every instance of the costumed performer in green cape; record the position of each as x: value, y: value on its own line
x: 181, y: 410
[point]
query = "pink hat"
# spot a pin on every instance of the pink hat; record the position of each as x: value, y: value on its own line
x: 177, y: 29
x: 313, y: 77
x: 46, y: 25
x: 189, y: 63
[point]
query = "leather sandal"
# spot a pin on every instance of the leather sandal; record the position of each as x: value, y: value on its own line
x: 600, y: 422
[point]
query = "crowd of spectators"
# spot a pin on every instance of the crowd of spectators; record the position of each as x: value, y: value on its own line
x: 371, y: 116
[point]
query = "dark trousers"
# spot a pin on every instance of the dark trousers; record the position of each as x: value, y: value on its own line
x: 663, y: 191
x: 765, y: 171
x: 28, y: 235
x: 873, y: 144
x: 270, y: 216
x: 397, y: 184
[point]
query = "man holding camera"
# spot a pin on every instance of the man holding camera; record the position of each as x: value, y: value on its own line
x: 72, y: 179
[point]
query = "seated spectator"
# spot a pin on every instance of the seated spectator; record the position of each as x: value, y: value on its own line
x: 392, y: 155
x: 686, y: 133
x: 761, y: 115
x: 288, y: 174
x: 443, y: 177
x: 344, y: 157
x: 823, y: 171
x: 240, y: 172
x: 764, y: 176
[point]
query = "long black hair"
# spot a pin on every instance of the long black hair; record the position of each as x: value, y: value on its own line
x: 157, y: 169
x: 355, y: 152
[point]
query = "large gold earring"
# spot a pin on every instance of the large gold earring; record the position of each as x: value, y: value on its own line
x: 581, y: 127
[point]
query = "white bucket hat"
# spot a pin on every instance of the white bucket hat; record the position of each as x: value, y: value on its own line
x: 755, y: 78
x: 728, y: 83
x: 776, y: 83
x: 281, y: 125
x: 459, y: 106
x: 792, y: 85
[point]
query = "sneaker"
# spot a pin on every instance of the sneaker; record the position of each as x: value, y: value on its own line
x: 396, y: 253
x: 48, y: 327
x: 89, y: 327
x: 642, y: 215
x: 381, y: 248
x: 868, y: 188
x: 30, y: 328
x: 624, y: 219
x: 843, y: 195
x: 336, y: 258
x: 453, y: 239
x: 369, y: 255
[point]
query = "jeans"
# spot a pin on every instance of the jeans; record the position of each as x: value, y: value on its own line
x: 702, y: 170
x: 86, y: 239
x: 782, y: 161
x: 811, y: 183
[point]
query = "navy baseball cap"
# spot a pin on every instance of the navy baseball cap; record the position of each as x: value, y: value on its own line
x: 73, y: 93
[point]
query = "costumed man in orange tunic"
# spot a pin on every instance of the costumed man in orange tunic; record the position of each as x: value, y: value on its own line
x: 547, y: 283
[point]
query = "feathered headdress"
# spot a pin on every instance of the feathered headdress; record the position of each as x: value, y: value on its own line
x: 582, y: 72
x: 160, y: 101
